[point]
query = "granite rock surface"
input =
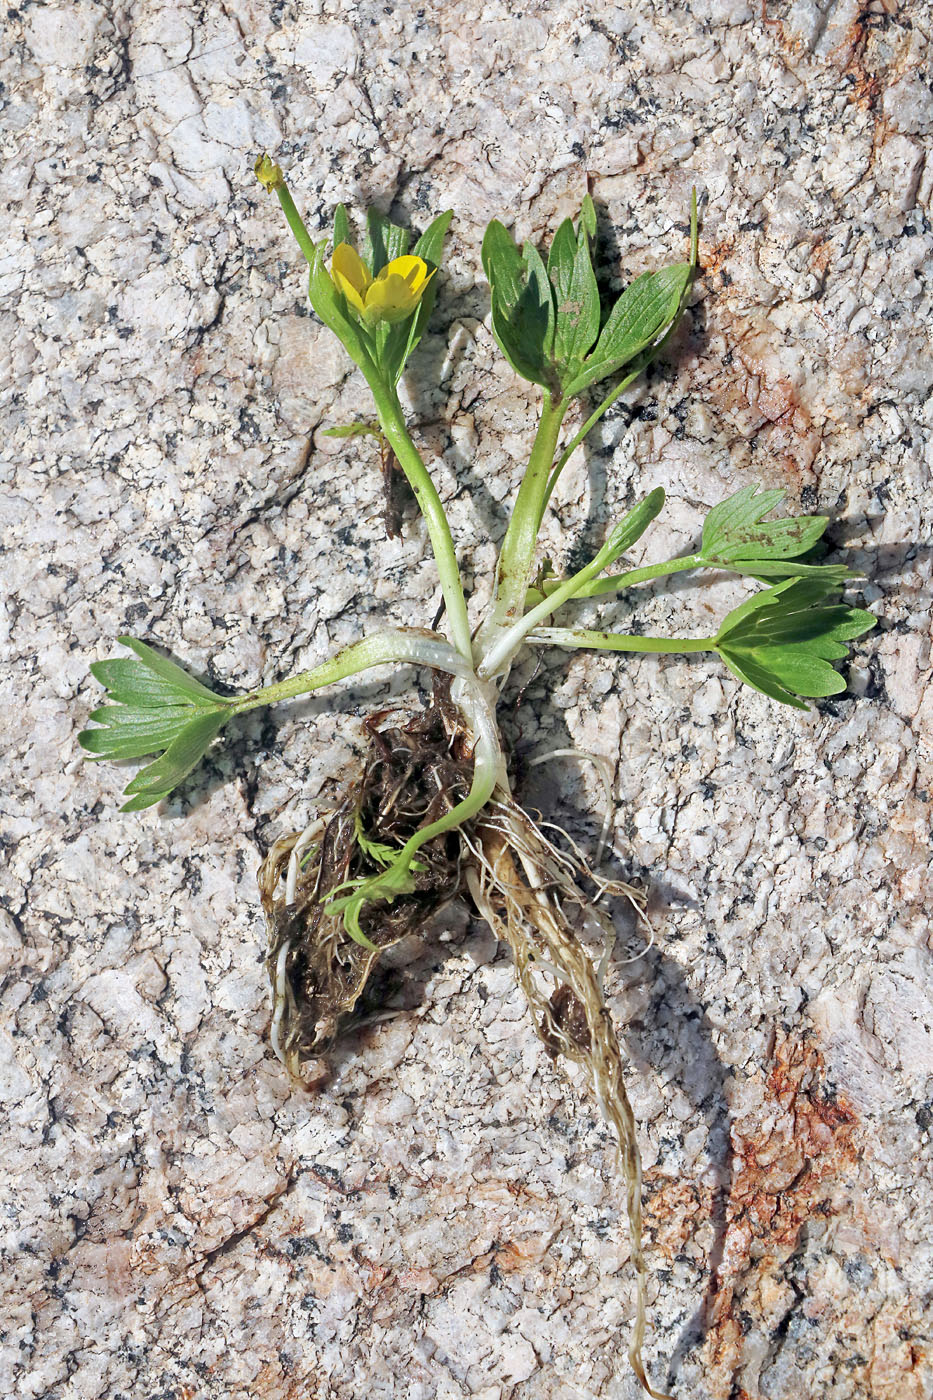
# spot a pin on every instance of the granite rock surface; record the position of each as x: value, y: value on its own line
x: 437, y: 1214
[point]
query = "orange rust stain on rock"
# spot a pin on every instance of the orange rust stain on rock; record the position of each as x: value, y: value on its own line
x: 792, y: 1153
x: 761, y: 392
x: 713, y: 256
x: 672, y: 1211
x: 821, y: 255
x: 898, y: 1362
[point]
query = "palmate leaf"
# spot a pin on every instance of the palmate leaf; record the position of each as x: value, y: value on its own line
x: 735, y: 530
x: 158, y: 708
x: 783, y: 640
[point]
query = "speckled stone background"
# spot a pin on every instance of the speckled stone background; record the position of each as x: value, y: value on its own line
x: 439, y: 1216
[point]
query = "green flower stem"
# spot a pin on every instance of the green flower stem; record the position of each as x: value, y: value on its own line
x: 616, y: 583
x: 516, y: 557
x: 419, y: 648
x: 396, y: 433
x: 614, y: 641
x: 295, y: 222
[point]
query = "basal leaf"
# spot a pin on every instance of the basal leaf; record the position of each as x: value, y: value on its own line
x: 169, y: 672
x: 131, y: 683
x: 801, y: 672
x: 126, y: 739
x: 185, y: 750
x: 746, y: 507
x: 751, y: 673
x: 783, y: 639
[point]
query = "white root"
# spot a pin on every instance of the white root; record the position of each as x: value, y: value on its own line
x: 299, y: 851
x: 281, y: 996
x: 519, y: 883
x: 604, y: 771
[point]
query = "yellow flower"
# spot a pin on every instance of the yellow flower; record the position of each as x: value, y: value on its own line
x: 390, y: 296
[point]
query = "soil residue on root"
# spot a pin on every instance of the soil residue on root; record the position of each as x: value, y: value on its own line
x: 412, y: 775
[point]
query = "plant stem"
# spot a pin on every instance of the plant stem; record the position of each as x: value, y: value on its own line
x: 578, y: 437
x: 506, y: 642
x: 614, y: 641
x: 414, y: 647
x: 516, y: 557
x: 396, y: 433
x: 295, y: 222
x: 617, y: 582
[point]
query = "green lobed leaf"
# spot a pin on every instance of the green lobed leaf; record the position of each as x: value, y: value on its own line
x: 182, y: 754
x: 171, y: 673
x: 522, y: 304
x: 159, y: 709
x: 749, y: 672
x: 736, y: 529
x: 795, y: 610
x: 783, y: 639
x: 643, y: 313
x: 746, y: 507
x: 570, y: 270
x: 126, y: 738
x: 802, y: 672
x: 149, y: 681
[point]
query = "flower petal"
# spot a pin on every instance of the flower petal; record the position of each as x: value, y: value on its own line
x: 390, y: 299
x: 350, y: 275
x: 411, y: 269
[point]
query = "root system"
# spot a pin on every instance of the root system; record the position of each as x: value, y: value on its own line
x: 530, y: 892
x: 412, y: 775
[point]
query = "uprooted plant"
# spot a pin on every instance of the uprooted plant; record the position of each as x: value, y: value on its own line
x: 432, y: 814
